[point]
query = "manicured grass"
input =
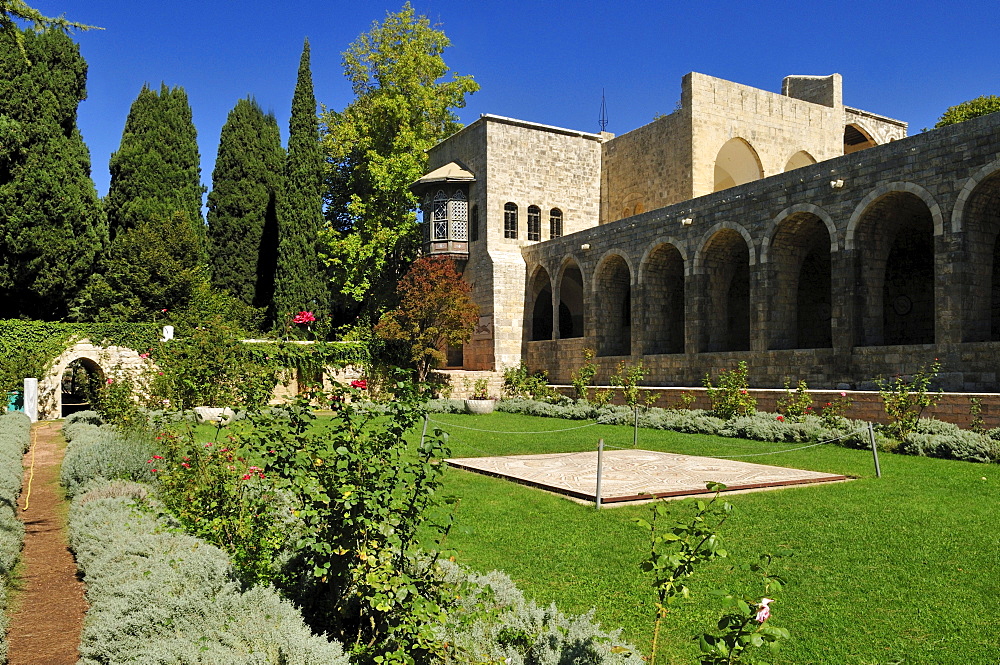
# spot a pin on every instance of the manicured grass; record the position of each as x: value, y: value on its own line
x: 902, y: 569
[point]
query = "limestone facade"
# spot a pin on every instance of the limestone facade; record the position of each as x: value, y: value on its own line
x: 810, y: 239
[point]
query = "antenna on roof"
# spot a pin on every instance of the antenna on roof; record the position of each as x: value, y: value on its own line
x: 604, y: 113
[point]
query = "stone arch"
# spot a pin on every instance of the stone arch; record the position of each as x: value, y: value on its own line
x: 958, y: 212
x: 857, y: 138
x: 539, y: 305
x: 79, y: 383
x: 572, y: 310
x: 890, y: 188
x: 822, y: 215
x: 798, y: 160
x: 800, y: 290
x: 114, y: 362
x: 613, y: 300
x: 737, y: 163
x: 699, y: 257
x: 724, y: 261
x: 979, y: 218
x: 895, y: 275
x: 662, y: 280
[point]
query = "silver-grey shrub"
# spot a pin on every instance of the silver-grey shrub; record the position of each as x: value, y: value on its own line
x: 934, y: 438
x: 104, y: 452
x: 15, y: 438
x: 495, y: 623
x: 158, y: 596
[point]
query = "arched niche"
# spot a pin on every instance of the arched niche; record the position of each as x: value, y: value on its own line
x: 540, y: 304
x: 981, y: 225
x: 613, y: 298
x: 736, y: 164
x: 725, y: 264
x: 663, y: 282
x: 857, y: 138
x: 79, y: 386
x: 798, y: 160
x: 571, y: 310
x: 801, y: 293
x: 895, y: 279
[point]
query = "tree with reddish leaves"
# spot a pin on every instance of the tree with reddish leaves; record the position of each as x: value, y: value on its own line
x: 435, y: 310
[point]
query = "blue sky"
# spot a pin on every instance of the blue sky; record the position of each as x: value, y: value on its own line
x: 535, y: 60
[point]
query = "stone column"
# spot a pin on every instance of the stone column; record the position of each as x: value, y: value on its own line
x: 31, y: 399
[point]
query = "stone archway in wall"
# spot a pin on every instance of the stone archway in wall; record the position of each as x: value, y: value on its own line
x: 980, y: 223
x: 110, y: 362
x: 894, y: 243
x: 571, y: 304
x: 801, y: 293
x: 613, y: 297
x: 736, y: 164
x: 663, y: 287
x: 540, y: 306
x: 725, y: 264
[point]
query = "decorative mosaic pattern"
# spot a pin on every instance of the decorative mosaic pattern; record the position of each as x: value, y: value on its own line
x: 629, y: 475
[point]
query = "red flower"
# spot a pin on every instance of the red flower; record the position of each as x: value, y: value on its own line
x: 303, y: 317
x: 780, y: 419
x: 360, y: 384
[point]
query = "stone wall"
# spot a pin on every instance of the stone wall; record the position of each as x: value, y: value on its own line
x: 813, y: 268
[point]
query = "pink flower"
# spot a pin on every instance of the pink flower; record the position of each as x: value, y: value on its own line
x: 153, y: 470
x: 303, y: 317
x: 109, y: 381
x: 843, y: 394
x: 143, y: 355
x: 360, y: 384
x: 763, y: 611
x: 185, y: 465
x: 164, y: 310
x: 246, y: 477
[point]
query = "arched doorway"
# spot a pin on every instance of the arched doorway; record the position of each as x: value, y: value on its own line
x: 981, y: 224
x: 726, y: 266
x: 571, y: 312
x: 895, y: 241
x: 80, y: 386
x: 663, y: 281
x: 540, y: 303
x: 801, y: 297
x: 737, y: 163
x: 613, y: 294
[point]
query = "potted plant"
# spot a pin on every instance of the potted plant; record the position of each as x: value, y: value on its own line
x: 480, y: 402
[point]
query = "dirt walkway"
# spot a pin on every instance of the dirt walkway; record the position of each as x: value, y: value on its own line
x: 46, y: 628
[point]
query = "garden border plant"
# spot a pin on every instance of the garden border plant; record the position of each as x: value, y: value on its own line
x: 15, y: 439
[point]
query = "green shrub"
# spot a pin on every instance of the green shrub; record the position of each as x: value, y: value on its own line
x: 732, y: 396
x: 584, y: 376
x: 905, y: 399
x: 795, y: 404
x: 934, y: 438
x: 519, y: 382
x: 15, y: 438
x: 159, y: 596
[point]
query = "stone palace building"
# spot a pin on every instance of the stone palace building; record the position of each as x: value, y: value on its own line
x: 811, y: 239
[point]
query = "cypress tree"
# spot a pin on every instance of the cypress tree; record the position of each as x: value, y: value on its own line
x: 299, y: 284
x: 156, y: 170
x: 242, y: 217
x: 51, y: 226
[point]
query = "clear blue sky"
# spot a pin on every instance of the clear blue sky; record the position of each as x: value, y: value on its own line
x: 542, y: 61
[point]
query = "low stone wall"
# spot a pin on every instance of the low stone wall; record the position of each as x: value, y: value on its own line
x: 867, y: 404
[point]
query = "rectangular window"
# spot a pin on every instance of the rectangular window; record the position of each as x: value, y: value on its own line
x: 534, y: 223
x: 555, y: 223
x: 510, y: 221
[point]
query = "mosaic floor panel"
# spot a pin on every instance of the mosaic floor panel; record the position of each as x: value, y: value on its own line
x: 631, y: 475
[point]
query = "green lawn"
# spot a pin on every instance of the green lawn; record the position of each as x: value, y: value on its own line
x: 902, y: 569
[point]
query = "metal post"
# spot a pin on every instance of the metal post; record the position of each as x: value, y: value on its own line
x: 871, y: 437
x: 424, y: 433
x: 600, y: 466
x: 635, y: 433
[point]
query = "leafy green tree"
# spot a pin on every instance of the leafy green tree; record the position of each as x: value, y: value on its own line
x: 17, y: 10
x: 298, y: 282
x: 973, y: 108
x: 242, y: 219
x: 51, y: 226
x: 377, y: 148
x: 156, y: 170
x: 435, y: 310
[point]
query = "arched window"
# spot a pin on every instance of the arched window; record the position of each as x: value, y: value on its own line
x: 474, y: 224
x: 555, y: 223
x: 510, y: 220
x: 534, y: 223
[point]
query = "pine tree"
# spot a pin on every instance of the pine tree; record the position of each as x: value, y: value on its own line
x: 156, y: 170
x: 298, y: 281
x: 242, y: 218
x: 51, y: 226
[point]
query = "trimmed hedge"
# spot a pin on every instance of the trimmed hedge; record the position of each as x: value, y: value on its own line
x: 931, y: 438
x: 158, y: 596
x: 15, y: 438
x: 103, y: 452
